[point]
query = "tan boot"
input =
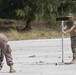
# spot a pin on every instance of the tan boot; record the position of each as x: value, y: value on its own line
x: 73, y: 61
x: 12, y: 69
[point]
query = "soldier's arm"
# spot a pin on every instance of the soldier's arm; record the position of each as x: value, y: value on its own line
x: 65, y: 27
x: 69, y: 30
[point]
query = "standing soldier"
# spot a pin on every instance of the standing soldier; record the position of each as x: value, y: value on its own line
x: 5, y: 50
x: 71, y: 28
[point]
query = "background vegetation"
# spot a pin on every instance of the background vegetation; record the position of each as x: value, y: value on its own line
x: 33, y: 19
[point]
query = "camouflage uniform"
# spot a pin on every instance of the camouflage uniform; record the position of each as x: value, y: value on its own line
x: 73, y: 38
x: 5, y: 50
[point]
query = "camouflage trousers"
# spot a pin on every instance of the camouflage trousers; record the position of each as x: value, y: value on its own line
x: 73, y: 46
x: 5, y: 50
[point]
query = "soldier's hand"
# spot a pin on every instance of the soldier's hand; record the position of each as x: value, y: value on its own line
x: 64, y: 32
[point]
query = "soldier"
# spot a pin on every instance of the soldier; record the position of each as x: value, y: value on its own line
x: 71, y: 28
x: 5, y: 50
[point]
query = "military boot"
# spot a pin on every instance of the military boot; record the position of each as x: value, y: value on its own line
x: 73, y: 61
x: 12, y: 69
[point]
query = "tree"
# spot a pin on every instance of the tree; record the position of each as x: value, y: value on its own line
x: 30, y: 10
x: 67, y: 6
x: 40, y: 9
x: 8, y: 8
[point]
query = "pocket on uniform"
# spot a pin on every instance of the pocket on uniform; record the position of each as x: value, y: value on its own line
x: 8, y: 49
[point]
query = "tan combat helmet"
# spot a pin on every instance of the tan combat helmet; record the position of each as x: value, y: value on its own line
x: 70, y: 15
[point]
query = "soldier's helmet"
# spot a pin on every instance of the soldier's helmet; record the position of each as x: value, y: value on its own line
x: 70, y: 15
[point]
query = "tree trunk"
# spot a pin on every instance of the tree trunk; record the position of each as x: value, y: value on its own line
x: 27, y: 26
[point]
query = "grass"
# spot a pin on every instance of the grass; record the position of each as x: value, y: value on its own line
x: 34, y: 34
x: 39, y: 31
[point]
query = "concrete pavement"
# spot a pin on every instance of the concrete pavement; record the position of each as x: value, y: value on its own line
x: 37, y: 57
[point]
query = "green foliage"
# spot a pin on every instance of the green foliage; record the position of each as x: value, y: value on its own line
x: 67, y: 6
x: 20, y: 13
x: 36, y: 9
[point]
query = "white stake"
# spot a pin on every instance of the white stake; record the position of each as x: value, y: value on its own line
x: 62, y: 42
